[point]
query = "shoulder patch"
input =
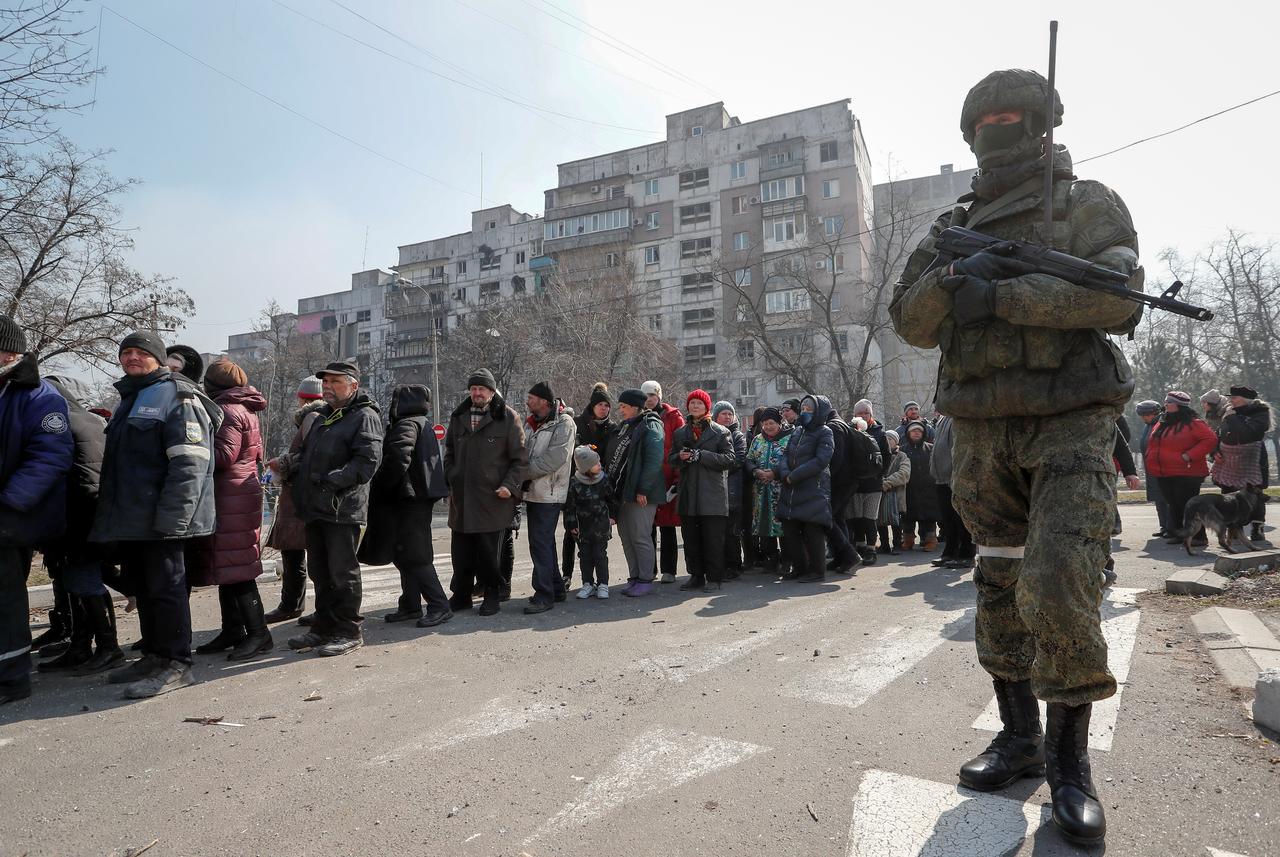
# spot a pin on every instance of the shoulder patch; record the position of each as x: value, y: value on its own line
x: 54, y: 423
x: 195, y: 433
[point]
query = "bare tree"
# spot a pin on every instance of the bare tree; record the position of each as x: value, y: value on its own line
x: 43, y: 60
x: 63, y: 273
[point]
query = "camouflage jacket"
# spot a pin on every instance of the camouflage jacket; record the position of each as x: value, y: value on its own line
x: 1046, y: 351
x: 589, y: 507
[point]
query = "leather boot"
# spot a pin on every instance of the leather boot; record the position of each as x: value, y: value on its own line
x: 59, y: 628
x: 1018, y: 748
x: 80, y: 648
x: 1076, y: 809
x: 908, y: 542
x: 232, y: 632
x: 102, y: 621
x: 257, y: 640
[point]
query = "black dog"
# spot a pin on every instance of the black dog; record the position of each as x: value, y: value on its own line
x: 1226, y: 514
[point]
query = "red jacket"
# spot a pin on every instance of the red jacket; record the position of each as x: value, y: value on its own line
x: 1165, y: 449
x: 672, y: 419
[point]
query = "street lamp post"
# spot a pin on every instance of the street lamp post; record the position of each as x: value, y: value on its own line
x: 435, y: 351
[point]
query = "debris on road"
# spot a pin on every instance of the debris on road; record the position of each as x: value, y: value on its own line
x: 209, y: 721
x: 134, y: 852
x: 313, y: 696
x: 812, y: 814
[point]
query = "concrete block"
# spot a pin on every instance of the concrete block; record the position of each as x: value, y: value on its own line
x: 270, y: 570
x: 1266, y: 700
x: 1236, y: 564
x: 1242, y: 647
x: 1195, y: 581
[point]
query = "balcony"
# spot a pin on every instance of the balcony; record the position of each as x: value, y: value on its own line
x: 779, y: 207
x: 594, y: 207
x: 408, y: 353
x: 406, y: 303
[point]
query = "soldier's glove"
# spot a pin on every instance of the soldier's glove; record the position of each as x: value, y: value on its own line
x: 973, y: 300
x: 991, y: 264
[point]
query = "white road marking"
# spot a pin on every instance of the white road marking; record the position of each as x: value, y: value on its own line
x: 1120, y: 618
x: 900, y: 816
x: 693, y: 656
x: 1215, y: 852
x: 852, y: 680
x: 493, y: 719
x: 657, y: 761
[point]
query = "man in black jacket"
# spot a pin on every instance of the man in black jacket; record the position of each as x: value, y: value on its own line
x: 330, y: 484
x: 156, y: 493
x: 844, y: 557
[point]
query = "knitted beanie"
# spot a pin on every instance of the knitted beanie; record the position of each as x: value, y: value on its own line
x: 701, y: 395
x: 12, y: 339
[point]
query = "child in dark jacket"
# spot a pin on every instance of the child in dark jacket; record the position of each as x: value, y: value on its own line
x: 589, y: 513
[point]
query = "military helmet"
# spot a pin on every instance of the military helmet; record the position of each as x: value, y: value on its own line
x: 1015, y: 88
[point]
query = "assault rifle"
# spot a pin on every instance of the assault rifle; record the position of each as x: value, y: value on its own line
x: 956, y: 242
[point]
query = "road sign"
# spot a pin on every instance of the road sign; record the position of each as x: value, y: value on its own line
x: 439, y: 430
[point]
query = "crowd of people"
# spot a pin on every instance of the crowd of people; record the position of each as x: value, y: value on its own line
x: 166, y: 493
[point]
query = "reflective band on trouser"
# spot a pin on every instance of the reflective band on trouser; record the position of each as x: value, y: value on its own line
x: 1002, y: 553
x: 193, y: 450
x: 15, y: 653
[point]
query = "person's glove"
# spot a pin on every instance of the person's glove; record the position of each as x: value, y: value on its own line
x: 992, y: 263
x: 973, y: 300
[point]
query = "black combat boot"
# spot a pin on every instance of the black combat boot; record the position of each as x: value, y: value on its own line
x: 80, y: 648
x: 1018, y: 748
x: 257, y: 640
x: 1076, y: 809
x: 102, y: 621
x: 59, y: 629
x: 232, y: 633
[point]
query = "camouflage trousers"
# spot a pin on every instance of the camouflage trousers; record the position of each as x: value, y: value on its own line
x: 1038, y: 495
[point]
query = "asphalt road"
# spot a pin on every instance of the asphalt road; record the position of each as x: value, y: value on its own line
x: 768, y: 719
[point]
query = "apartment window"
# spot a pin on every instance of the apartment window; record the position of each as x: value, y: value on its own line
x: 691, y: 214
x: 519, y: 257
x: 832, y: 225
x: 778, y: 159
x: 740, y: 205
x: 651, y: 187
x: 782, y: 188
x: 651, y: 255
x: 535, y: 247
x: 699, y: 319
x: 709, y: 384
x: 833, y: 264
x: 741, y: 241
x: 364, y: 339
x: 490, y: 292
x: 830, y: 188
x: 747, y: 386
x: 738, y: 170
x: 655, y: 323
x: 783, y: 228
x: 787, y: 384
x: 789, y: 300
x: 517, y: 285
x: 746, y: 352
x: 462, y: 267
x: 612, y: 260
x: 652, y: 220
x: 617, y: 192
x: 364, y: 314
x: 828, y: 151
x: 436, y: 273
x: 439, y: 323
x: 695, y: 282
x: 695, y: 247
x: 695, y: 131
x: 841, y: 342
x: 742, y: 277
x: 700, y: 353
x: 460, y: 294
x: 493, y: 261
x: 694, y: 179
x: 492, y: 224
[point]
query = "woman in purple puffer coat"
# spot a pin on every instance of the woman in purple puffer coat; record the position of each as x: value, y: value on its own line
x: 232, y: 557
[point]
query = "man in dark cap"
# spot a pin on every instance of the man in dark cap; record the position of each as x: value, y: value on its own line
x: 36, y: 450
x: 484, y: 463
x: 549, y: 437
x: 1034, y: 385
x: 329, y: 479
x: 156, y: 493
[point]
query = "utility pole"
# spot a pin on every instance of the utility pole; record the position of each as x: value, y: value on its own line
x: 155, y: 315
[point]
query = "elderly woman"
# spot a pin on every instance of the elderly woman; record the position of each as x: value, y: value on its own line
x: 804, y: 501
x: 894, y: 487
x: 763, y: 458
x: 702, y: 452
x: 922, y: 492
x: 1177, y: 454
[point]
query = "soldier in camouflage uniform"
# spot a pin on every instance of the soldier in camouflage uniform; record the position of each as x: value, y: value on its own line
x: 1035, y: 386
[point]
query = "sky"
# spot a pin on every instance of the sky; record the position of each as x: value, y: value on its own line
x: 303, y: 140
